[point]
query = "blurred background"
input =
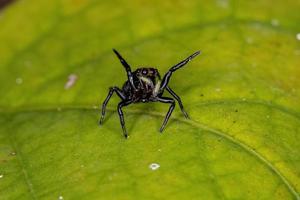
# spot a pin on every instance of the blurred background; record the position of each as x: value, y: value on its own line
x: 242, y: 93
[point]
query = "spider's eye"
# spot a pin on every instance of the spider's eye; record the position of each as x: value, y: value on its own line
x: 144, y: 72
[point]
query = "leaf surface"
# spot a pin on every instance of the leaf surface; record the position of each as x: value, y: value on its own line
x: 242, y: 94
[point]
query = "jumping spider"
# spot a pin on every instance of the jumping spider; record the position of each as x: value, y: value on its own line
x: 145, y: 85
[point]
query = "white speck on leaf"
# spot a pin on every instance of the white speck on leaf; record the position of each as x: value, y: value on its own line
x: 71, y: 81
x: 19, y: 81
x: 298, y: 36
x: 154, y: 166
x: 60, y: 197
x: 1, y: 175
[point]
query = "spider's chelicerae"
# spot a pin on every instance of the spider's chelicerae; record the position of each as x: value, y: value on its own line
x: 145, y: 85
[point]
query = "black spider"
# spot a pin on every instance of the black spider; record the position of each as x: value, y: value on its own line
x: 145, y: 85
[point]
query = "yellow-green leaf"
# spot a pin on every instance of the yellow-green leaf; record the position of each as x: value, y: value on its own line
x: 242, y: 94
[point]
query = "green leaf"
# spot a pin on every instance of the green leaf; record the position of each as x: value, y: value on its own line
x: 242, y: 93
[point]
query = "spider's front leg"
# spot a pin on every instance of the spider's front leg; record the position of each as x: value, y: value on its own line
x: 120, y: 105
x: 110, y: 93
x: 167, y: 76
x: 127, y: 68
x: 172, y: 106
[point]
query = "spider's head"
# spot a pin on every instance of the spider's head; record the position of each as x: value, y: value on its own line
x: 147, y: 72
x: 149, y: 77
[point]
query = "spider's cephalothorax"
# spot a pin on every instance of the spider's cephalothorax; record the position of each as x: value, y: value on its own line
x: 145, y: 85
x: 147, y: 82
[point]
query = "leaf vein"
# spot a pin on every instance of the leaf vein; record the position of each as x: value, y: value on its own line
x: 22, y: 166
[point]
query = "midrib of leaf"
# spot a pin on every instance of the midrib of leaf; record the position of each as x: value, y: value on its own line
x: 190, y: 122
x: 13, y: 110
x: 217, y: 188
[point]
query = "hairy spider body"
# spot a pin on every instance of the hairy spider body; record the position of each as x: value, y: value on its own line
x: 147, y: 82
x: 145, y: 85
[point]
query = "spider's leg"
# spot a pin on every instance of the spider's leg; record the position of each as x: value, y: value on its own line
x: 167, y: 76
x: 120, y: 105
x: 178, y: 100
x: 127, y: 67
x: 172, y: 106
x: 110, y: 93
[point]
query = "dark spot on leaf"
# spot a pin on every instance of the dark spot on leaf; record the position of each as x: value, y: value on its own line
x: 201, y: 95
x: 236, y: 110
